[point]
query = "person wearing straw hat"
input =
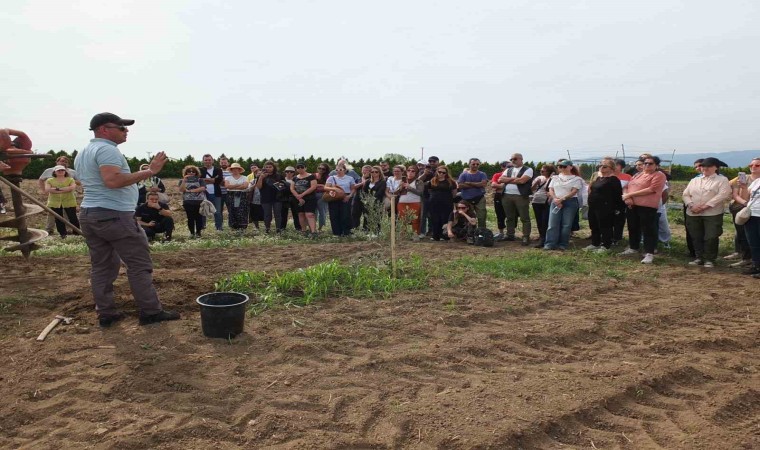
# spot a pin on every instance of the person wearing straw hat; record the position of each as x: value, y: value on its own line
x: 61, y: 189
x: 48, y: 173
x: 237, y: 198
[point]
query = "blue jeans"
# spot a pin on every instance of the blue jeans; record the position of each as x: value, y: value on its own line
x: 561, y: 224
x: 321, y: 210
x: 752, y: 230
x: 217, y: 201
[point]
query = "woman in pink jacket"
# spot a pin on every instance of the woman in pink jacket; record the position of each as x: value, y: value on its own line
x: 642, y: 197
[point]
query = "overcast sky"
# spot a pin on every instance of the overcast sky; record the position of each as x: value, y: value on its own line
x: 361, y: 79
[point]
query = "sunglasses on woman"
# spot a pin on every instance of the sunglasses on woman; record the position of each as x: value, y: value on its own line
x: 443, y: 173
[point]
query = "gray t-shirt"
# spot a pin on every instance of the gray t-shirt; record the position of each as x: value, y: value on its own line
x: 102, y: 152
x: 48, y: 173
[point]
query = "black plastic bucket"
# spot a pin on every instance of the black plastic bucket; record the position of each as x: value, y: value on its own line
x: 222, y: 314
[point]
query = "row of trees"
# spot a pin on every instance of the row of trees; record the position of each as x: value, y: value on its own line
x: 173, y: 168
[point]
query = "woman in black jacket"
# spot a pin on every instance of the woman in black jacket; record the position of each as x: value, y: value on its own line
x: 270, y: 186
x: 604, y: 201
x: 371, y: 196
x: 440, y: 190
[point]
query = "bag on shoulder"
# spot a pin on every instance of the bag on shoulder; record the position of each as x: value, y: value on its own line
x: 483, y: 237
x: 743, y: 216
x: 333, y: 196
x: 280, y: 186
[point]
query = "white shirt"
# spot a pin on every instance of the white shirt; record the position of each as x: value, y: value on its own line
x: 564, y: 184
x: 511, y: 188
x: 754, y: 194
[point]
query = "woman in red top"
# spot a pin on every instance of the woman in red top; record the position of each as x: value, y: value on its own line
x: 642, y: 196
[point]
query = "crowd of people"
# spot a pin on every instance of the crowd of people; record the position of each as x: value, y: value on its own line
x: 122, y: 211
x: 436, y: 205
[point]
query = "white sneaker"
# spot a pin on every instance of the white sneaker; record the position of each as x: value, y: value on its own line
x: 648, y: 258
x: 600, y: 250
x: 742, y: 263
x: 628, y: 251
x: 708, y: 265
x: 590, y: 247
x: 696, y: 262
x: 732, y: 256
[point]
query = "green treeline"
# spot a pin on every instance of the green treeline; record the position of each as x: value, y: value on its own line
x: 173, y: 168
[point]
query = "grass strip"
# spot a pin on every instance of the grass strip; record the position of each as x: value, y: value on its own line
x: 323, y: 281
x: 528, y: 264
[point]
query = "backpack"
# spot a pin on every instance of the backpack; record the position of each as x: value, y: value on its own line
x: 483, y: 237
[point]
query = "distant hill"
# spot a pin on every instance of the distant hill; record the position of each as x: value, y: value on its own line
x: 738, y: 158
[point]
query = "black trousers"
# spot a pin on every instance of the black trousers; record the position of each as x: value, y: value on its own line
x: 71, y: 214
x: 439, y: 216
x: 194, y: 218
x: 501, y: 217
x: 290, y: 205
x: 340, y: 217
x: 601, y: 220
x: 165, y: 225
x: 541, y: 211
x: 689, y: 240
x: 618, y: 224
x: 642, y: 220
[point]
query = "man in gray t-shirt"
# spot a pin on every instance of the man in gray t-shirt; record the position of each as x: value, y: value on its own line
x: 48, y: 173
x: 110, y: 229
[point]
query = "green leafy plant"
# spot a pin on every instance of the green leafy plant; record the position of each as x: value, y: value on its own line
x: 323, y: 281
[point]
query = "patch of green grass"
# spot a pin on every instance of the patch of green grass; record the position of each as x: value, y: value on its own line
x: 9, y: 302
x: 325, y: 280
x: 616, y: 274
x: 529, y: 264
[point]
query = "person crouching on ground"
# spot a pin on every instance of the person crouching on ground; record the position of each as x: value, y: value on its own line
x: 462, y: 222
x: 705, y: 198
x: 155, y: 217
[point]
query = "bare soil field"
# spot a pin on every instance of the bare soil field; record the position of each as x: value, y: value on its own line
x: 661, y: 356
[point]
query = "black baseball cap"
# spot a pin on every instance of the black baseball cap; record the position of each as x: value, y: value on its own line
x: 98, y: 120
x: 433, y: 159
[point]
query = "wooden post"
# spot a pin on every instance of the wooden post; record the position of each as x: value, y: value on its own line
x: 393, y: 235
